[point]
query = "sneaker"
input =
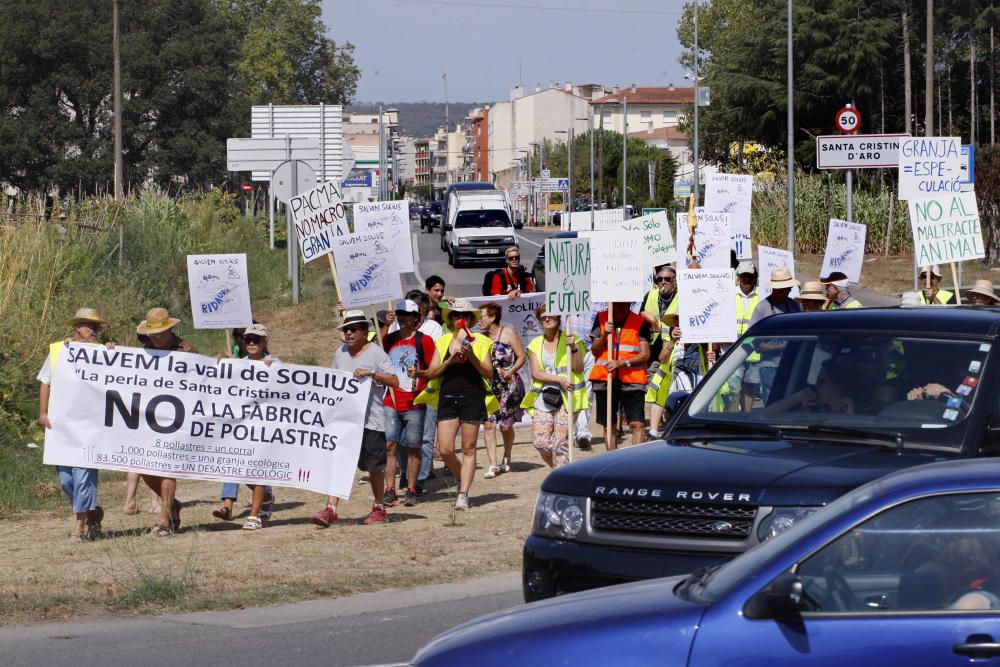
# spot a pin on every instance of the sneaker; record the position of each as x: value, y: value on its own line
x: 253, y: 523
x: 390, y: 498
x: 583, y: 443
x: 492, y: 472
x: 505, y: 464
x: 462, y: 502
x: 326, y: 518
x: 410, y: 499
x: 377, y: 515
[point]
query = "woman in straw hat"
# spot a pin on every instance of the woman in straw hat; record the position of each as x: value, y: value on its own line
x: 812, y: 297
x: 158, y: 327
x: 982, y: 294
x: 80, y: 484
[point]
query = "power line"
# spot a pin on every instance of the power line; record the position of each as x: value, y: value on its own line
x: 544, y: 8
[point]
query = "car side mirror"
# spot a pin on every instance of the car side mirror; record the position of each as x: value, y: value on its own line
x: 676, y: 401
x: 446, y: 226
x: 783, y: 598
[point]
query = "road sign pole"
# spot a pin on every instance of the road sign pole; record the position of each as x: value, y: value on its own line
x: 850, y: 196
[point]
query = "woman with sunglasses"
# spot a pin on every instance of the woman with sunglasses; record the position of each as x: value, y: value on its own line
x: 549, y: 355
x: 460, y: 391
x: 252, y: 344
x: 508, y: 357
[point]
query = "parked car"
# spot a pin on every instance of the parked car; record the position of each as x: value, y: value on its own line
x: 430, y: 216
x: 901, y: 571
x: 538, y: 268
x: 833, y: 400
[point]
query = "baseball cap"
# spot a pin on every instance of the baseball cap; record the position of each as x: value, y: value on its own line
x: 407, y: 306
x: 745, y: 267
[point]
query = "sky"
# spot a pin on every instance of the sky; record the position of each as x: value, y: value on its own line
x: 487, y: 46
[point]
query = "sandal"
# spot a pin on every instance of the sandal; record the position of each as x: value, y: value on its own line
x: 492, y: 472
x: 253, y: 523
x: 224, y: 513
x: 159, y: 530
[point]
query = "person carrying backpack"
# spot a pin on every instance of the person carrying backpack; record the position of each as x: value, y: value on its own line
x: 510, y: 281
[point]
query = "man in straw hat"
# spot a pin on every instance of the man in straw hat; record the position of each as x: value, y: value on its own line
x: 929, y: 292
x: 366, y: 360
x: 158, y: 330
x: 837, y: 292
x: 812, y: 297
x: 80, y: 484
x: 981, y: 294
x: 778, y: 301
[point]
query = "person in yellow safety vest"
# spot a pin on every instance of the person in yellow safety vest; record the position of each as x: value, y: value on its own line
x: 747, y: 298
x: 837, y: 292
x: 549, y: 356
x: 80, y: 484
x: 932, y: 295
x: 460, y: 391
x: 660, y: 303
x: 691, y: 360
x: 621, y: 352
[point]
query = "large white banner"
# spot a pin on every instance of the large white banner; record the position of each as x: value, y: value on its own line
x: 930, y: 167
x: 392, y: 217
x: 946, y: 229
x: 616, y: 274
x: 845, y: 249
x: 732, y: 194
x: 366, y: 267
x: 567, y: 276
x: 318, y: 216
x: 186, y: 415
x: 708, y: 305
x: 220, y: 291
x: 658, y: 240
x: 769, y: 259
x: 711, y: 249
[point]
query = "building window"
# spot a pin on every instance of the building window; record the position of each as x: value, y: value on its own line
x: 669, y: 116
x: 645, y: 116
x: 606, y: 115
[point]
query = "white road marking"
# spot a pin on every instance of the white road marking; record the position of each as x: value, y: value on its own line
x: 526, y: 240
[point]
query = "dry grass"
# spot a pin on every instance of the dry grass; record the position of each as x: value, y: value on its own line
x: 894, y: 274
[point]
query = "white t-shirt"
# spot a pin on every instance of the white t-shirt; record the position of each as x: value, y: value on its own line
x: 372, y: 358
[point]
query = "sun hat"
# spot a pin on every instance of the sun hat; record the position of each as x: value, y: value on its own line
x: 460, y: 306
x: 781, y: 278
x: 982, y: 288
x: 812, y: 291
x: 86, y: 316
x: 744, y: 267
x: 408, y: 307
x: 157, y: 320
x: 836, y: 278
x: 255, y: 329
x: 934, y: 269
x: 353, y: 317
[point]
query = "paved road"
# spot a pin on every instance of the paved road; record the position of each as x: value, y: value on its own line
x: 384, y: 628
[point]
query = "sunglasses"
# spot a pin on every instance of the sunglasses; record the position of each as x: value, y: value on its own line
x: 510, y: 257
x: 252, y: 340
x: 353, y: 329
x: 549, y: 318
x: 663, y: 279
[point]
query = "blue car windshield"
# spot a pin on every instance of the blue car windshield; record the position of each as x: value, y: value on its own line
x: 921, y: 388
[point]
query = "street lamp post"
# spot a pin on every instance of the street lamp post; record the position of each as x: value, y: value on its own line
x: 591, y: 133
x: 791, y: 138
x: 531, y: 185
x: 624, y: 156
x: 569, y: 169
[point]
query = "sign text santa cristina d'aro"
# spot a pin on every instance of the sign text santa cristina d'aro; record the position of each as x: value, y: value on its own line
x: 176, y: 414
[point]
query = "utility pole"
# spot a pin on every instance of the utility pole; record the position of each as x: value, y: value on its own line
x: 447, y: 131
x: 119, y: 158
x: 624, y: 156
x: 929, y: 83
x: 790, y: 158
x: 695, y: 185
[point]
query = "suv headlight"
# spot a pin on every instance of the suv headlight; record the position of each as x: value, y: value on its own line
x: 780, y: 520
x: 463, y: 241
x: 508, y: 240
x: 558, y: 516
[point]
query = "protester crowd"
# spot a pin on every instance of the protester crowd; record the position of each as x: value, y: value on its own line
x: 441, y: 369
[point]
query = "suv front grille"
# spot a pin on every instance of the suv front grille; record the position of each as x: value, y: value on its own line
x: 672, y: 519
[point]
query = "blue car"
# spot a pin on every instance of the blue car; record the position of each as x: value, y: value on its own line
x: 904, y: 570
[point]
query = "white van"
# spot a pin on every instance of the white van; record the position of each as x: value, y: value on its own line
x: 479, y: 226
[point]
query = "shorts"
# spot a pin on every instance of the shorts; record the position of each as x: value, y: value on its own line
x: 633, y: 403
x: 372, y: 457
x: 406, y: 428
x: 467, y: 409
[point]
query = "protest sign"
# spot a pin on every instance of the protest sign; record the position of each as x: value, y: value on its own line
x: 845, y: 249
x: 192, y: 416
x: 615, y: 275
x: 946, y: 229
x: 769, y: 259
x: 707, y: 306
x: 220, y: 292
x: 519, y: 315
x: 567, y: 276
x: 732, y: 194
x: 930, y: 166
x: 711, y: 240
x: 366, y: 265
x: 392, y: 217
x: 318, y: 216
x: 658, y: 240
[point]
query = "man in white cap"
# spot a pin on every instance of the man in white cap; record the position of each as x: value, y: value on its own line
x: 837, y: 292
x: 982, y: 294
x: 777, y: 302
x: 365, y: 359
x: 929, y: 292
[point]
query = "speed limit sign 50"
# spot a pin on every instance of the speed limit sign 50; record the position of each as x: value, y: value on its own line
x: 848, y: 120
